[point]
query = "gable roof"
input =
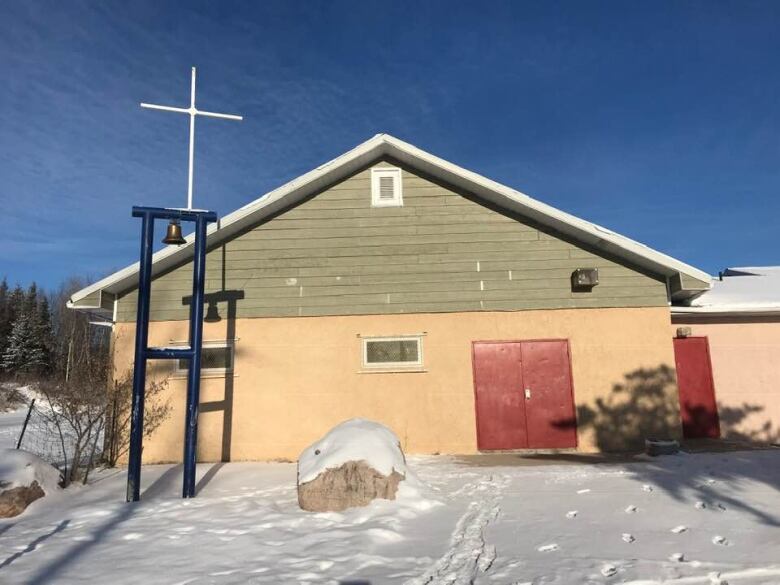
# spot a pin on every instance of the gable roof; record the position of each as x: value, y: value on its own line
x: 381, y: 145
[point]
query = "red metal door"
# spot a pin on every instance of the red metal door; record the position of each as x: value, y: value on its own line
x: 698, y: 408
x: 549, y: 400
x: 498, y: 386
x: 524, y: 395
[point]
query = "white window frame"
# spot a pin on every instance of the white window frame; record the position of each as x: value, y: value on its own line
x: 417, y: 365
x: 398, y: 197
x: 177, y: 371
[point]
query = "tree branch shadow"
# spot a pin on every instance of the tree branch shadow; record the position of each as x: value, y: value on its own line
x: 646, y: 405
x: 34, y: 544
x: 50, y: 572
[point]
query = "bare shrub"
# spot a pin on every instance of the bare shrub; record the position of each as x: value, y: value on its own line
x: 121, y: 396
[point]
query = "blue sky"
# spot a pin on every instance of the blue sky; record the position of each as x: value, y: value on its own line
x: 656, y: 119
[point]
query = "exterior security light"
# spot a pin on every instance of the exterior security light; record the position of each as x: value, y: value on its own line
x: 584, y: 278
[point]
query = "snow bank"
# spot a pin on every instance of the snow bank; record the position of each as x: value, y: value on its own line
x: 356, y: 439
x: 20, y: 468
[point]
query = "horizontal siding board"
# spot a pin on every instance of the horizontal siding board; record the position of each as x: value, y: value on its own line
x: 260, y: 253
x: 269, y: 243
x: 572, y: 304
x: 433, y: 200
x: 434, y: 307
x: 493, y: 280
x: 288, y: 223
x: 462, y: 226
x: 496, y: 256
x: 336, y: 255
x: 373, y: 212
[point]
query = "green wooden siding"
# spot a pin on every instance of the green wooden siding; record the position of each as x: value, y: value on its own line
x: 336, y: 255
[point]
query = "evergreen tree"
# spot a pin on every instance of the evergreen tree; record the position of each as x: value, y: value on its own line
x: 21, y: 356
x: 28, y: 348
x: 13, y: 308
x: 44, y: 337
x: 5, y: 319
x: 30, y: 303
x: 15, y: 304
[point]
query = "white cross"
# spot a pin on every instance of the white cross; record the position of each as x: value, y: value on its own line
x: 192, y: 111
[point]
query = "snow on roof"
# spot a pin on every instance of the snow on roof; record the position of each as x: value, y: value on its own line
x: 381, y: 145
x: 742, y: 290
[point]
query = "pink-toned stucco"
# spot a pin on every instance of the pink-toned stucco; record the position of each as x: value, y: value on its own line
x: 745, y: 357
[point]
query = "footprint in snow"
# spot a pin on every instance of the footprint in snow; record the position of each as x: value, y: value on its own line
x: 721, y: 507
x: 609, y: 570
x: 548, y: 548
x: 720, y: 540
x: 486, y: 558
x: 628, y: 537
x: 223, y: 573
x: 631, y: 509
x: 647, y: 488
x: 679, y: 529
x: 700, y: 505
x: 715, y: 579
x: 571, y: 514
x: 677, y: 557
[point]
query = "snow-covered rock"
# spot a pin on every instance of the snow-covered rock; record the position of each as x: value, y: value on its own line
x: 357, y: 462
x: 18, y: 468
x: 24, y: 478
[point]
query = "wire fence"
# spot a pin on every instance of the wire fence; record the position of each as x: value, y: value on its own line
x: 54, y: 439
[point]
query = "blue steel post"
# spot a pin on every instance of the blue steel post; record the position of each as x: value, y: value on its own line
x: 139, y: 373
x: 196, y: 344
x: 143, y: 352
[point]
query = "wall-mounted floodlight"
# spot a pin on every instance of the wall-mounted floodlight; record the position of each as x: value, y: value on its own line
x: 584, y: 279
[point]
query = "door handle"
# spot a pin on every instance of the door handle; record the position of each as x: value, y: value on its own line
x: 528, y: 394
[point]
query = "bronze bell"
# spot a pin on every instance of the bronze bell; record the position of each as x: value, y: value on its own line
x: 173, y: 235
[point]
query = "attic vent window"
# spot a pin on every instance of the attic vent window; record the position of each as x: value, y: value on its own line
x: 386, y: 188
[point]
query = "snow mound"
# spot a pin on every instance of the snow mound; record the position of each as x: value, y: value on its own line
x: 20, y: 468
x: 356, y: 439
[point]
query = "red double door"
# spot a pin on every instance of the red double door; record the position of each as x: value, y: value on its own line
x: 524, y: 397
x: 698, y: 408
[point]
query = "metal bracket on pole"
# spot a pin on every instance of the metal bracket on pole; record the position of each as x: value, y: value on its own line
x: 143, y: 352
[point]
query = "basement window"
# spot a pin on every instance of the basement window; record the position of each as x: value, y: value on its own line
x: 392, y: 353
x: 386, y: 187
x: 215, y: 358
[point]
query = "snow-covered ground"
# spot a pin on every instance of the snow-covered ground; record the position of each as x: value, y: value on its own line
x: 545, y: 524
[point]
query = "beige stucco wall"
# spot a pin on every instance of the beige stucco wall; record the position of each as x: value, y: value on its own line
x: 297, y: 377
x: 745, y: 359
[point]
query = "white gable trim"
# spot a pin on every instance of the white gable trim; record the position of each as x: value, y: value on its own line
x: 350, y: 162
